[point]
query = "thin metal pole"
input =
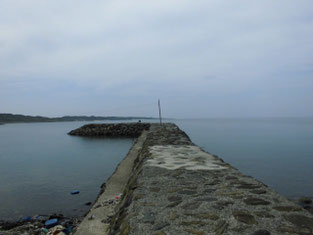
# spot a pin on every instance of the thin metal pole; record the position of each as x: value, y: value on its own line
x: 160, y: 116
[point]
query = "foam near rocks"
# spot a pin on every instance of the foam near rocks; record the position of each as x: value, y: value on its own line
x: 189, y: 157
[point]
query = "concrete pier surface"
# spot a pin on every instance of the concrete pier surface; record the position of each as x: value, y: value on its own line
x: 168, y: 185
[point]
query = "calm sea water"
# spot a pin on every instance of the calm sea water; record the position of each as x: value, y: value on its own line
x: 278, y: 151
x: 40, y: 164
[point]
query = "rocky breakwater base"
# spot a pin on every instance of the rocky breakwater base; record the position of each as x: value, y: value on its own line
x: 168, y: 185
x: 130, y: 130
x: 40, y: 225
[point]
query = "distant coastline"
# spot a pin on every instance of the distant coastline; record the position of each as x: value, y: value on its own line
x: 19, y: 118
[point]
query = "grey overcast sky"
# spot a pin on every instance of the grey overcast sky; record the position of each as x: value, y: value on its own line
x: 203, y: 58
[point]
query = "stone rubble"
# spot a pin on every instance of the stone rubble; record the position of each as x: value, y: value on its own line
x: 36, y: 226
x: 111, y: 130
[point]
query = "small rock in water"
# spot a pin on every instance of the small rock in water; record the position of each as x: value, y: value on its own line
x: 305, y: 200
x: 88, y: 203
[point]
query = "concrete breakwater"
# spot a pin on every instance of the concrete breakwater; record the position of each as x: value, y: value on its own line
x: 171, y: 186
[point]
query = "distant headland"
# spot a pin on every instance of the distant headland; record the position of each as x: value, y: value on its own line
x: 16, y: 118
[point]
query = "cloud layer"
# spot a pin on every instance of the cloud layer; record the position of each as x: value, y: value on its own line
x: 202, y: 58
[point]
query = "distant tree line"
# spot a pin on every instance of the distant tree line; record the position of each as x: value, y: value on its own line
x: 13, y: 118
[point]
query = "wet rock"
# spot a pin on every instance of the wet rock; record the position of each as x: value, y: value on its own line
x: 240, y: 229
x: 193, y: 222
x: 160, y: 226
x: 221, y: 227
x: 261, y: 232
x: 287, y: 208
x: 139, y: 196
x: 288, y: 229
x: 231, y: 178
x: 209, y: 190
x: 211, y: 216
x: 309, y: 209
x: 87, y: 203
x: 300, y: 220
x: 102, y: 189
x: 214, y: 182
x: 159, y: 233
x: 191, y: 205
x: 305, y: 200
x: 194, y: 231
x: 248, y: 186
x: 174, y: 204
x: 173, y: 215
x: 155, y: 189
x: 149, y: 217
x: 264, y: 214
x: 244, y: 217
x: 173, y: 190
x: 187, y: 192
x: 207, y: 199
x: 6, y: 225
x: 256, y: 201
x: 192, y: 187
x: 258, y: 191
x: 222, y: 204
x: 177, y: 172
x: 174, y: 198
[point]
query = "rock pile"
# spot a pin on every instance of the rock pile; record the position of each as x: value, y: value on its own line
x: 111, y: 130
x: 37, y: 225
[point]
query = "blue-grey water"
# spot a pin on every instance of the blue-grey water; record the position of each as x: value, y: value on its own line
x: 277, y: 151
x: 40, y: 164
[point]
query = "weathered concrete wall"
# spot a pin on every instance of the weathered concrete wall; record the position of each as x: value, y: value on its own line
x: 176, y: 188
x: 98, y: 219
